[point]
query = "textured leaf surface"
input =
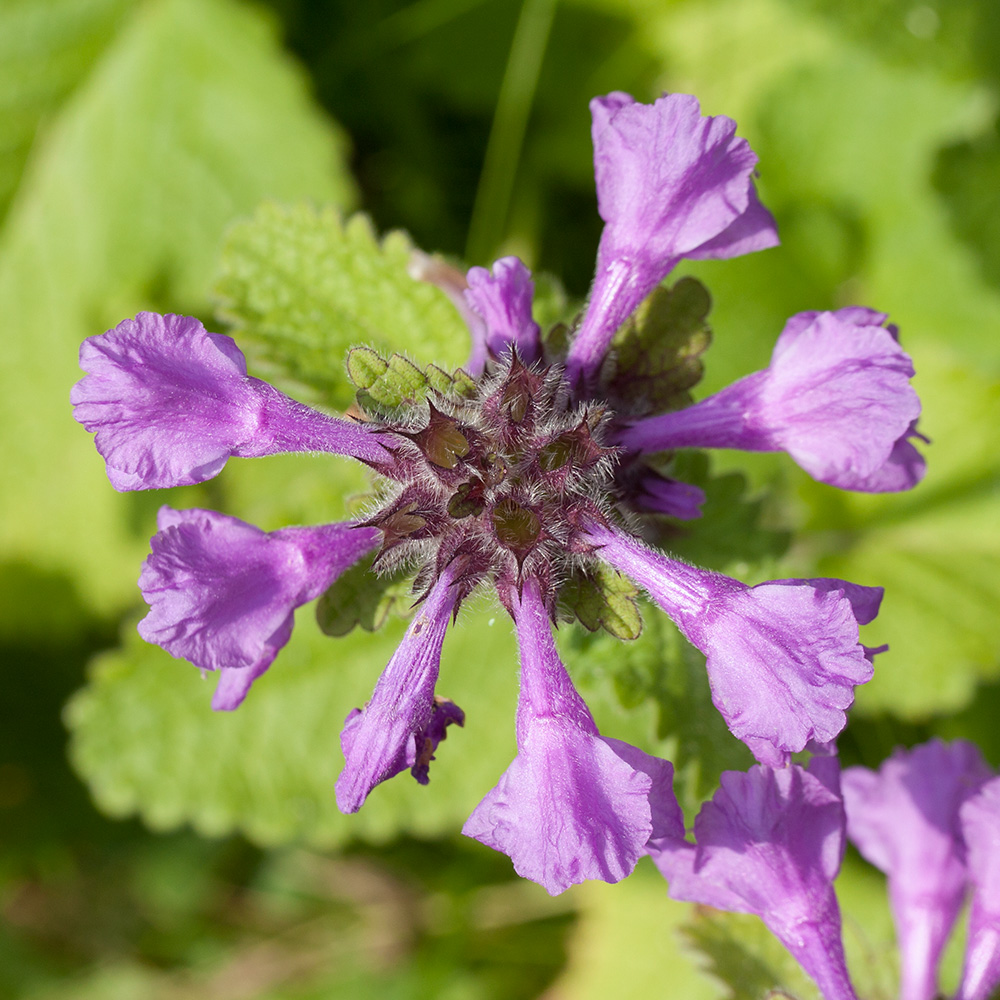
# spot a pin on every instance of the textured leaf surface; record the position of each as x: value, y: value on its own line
x: 603, y: 598
x: 188, y: 118
x: 738, y: 950
x: 299, y: 286
x: 359, y: 597
x: 657, y: 352
x: 385, y: 384
x: 147, y: 742
x: 733, y: 534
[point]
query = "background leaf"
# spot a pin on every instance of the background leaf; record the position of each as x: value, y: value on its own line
x: 147, y: 741
x: 189, y: 117
x: 299, y: 287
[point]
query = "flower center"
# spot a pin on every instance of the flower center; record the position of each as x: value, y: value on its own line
x: 501, y: 477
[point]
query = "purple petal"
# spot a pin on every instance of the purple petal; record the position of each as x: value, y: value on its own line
x: 573, y: 805
x: 770, y: 843
x: 170, y: 403
x: 222, y: 593
x: 671, y: 183
x: 905, y: 820
x: 783, y: 658
x: 663, y: 495
x: 980, y: 819
x: 503, y: 300
x: 753, y: 230
x: 865, y: 601
x: 837, y: 397
x: 401, y: 725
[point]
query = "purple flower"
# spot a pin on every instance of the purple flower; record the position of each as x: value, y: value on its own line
x: 783, y: 657
x: 403, y: 723
x: 770, y: 842
x: 222, y: 593
x: 905, y: 820
x: 503, y: 300
x: 662, y: 495
x: 170, y: 403
x: 573, y: 805
x: 512, y: 480
x: 837, y: 397
x: 671, y: 183
x: 980, y: 820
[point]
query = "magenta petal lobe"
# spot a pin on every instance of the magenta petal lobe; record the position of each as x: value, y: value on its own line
x: 170, y: 403
x: 783, y: 658
x: 837, y: 397
x: 503, y: 301
x: 671, y: 183
x: 770, y: 842
x: 904, y: 819
x: 222, y: 593
x: 402, y: 724
x: 980, y: 819
x: 573, y: 805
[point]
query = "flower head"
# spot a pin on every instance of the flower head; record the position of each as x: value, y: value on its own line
x: 514, y: 476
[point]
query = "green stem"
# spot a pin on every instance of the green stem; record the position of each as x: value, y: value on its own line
x: 503, y: 151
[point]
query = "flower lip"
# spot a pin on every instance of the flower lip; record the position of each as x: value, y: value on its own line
x: 905, y: 820
x: 980, y: 820
x: 671, y: 183
x: 770, y: 842
x: 783, y: 657
x: 170, y: 403
x: 573, y: 805
x: 401, y: 725
x: 837, y: 397
x: 222, y: 593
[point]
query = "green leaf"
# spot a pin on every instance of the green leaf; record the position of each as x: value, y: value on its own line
x: 386, y: 384
x: 146, y: 741
x: 45, y: 51
x: 361, y: 597
x: 657, y: 352
x: 300, y: 286
x: 189, y: 116
x: 742, y: 953
x: 602, y: 598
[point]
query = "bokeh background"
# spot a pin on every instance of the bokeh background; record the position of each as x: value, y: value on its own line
x: 150, y: 848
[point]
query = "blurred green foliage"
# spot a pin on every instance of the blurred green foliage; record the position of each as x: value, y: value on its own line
x: 138, y: 138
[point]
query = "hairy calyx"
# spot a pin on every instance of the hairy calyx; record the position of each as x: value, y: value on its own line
x: 503, y: 477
